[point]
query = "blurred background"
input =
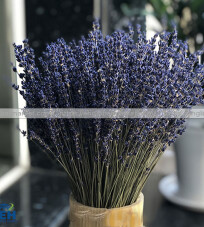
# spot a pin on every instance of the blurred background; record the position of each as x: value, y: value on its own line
x: 34, y: 183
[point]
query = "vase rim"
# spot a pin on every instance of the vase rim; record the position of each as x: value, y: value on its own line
x: 139, y: 200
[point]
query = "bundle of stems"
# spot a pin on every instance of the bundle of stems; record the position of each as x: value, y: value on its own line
x: 108, y: 161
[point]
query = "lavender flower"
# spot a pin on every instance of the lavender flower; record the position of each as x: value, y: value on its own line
x: 109, y: 157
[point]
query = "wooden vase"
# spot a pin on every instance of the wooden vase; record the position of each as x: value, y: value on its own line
x: 85, y: 216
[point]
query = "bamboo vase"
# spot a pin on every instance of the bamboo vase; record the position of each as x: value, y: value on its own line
x: 128, y: 216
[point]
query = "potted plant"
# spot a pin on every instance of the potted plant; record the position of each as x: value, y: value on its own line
x: 108, y: 160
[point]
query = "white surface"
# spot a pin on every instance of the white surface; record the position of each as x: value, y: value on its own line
x: 152, y: 24
x: 15, y: 12
x: 169, y: 188
x: 19, y: 34
x: 166, y: 165
x: 189, y: 150
x: 11, y: 177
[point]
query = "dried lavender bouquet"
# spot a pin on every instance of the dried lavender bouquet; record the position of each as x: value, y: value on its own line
x: 108, y: 161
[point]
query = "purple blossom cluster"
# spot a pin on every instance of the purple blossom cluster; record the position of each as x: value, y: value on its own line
x: 109, y: 72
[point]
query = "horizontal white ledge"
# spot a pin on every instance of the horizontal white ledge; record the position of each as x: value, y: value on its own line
x: 24, y: 113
